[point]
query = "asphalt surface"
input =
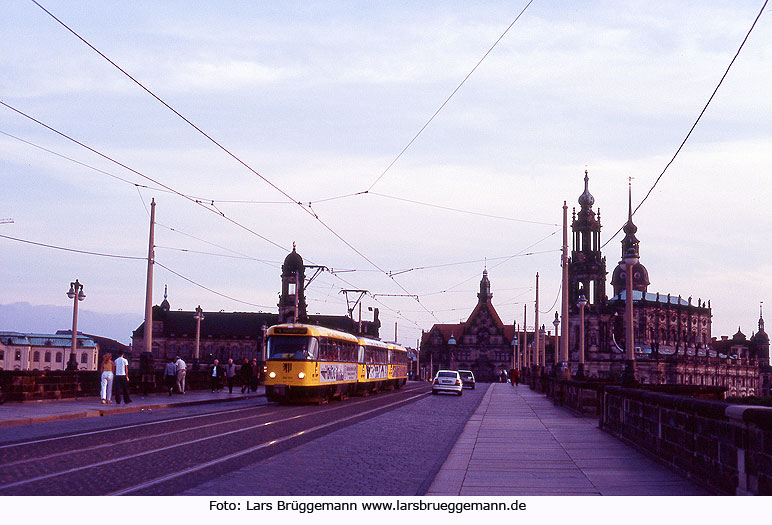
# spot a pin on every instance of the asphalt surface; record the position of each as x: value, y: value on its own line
x: 397, y: 453
x: 185, y: 449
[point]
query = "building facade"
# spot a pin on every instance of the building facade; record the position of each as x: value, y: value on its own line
x: 237, y: 335
x: 482, y: 343
x: 672, y: 335
x: 20, y: 351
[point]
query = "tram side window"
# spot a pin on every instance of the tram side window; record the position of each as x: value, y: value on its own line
x: 334, y: 350
x: 349, y: 351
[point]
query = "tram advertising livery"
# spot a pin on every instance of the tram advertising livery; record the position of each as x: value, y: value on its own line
x: 313, y: 363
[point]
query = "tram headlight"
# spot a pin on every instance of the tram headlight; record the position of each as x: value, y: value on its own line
x: 272, y: 375
x: 301, y: 375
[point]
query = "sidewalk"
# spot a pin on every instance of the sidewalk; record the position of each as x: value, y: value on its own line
x: 519, y: 443
x: 15, y: 413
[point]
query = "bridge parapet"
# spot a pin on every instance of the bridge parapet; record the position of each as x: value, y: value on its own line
x: 727, y: 447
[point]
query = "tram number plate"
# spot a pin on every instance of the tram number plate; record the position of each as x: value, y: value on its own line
x: 280, y: 390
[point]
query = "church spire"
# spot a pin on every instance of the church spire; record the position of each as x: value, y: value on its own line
x: 485, y: 294
x: 165, y: 304
x: 586, y: 199
x: 630, y: 241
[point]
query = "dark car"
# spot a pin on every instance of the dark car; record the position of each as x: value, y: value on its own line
x: 468, y: 378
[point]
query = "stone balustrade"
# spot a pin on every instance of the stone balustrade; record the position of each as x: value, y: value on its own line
x: 37, y: 385
x: 726, y: 447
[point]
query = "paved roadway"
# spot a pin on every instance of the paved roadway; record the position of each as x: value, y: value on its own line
x: 495, y: 440
x: 392, y: 443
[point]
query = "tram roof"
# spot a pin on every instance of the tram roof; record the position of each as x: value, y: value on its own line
x: 311, y: 330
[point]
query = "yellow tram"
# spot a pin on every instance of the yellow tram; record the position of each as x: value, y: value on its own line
x: 313, y: 363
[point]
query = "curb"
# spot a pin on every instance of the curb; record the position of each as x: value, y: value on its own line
x: 115, y: 411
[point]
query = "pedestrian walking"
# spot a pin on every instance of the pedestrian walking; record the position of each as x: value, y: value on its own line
x: 122, y: 379
x: 512, y: 376
x: 108, y: 368
x: 215, y: 375
x: 516, y: 377
x: 254, y: 379
x: 230, y: 375
x: 181, y: 370
x: 245, y: 373
x: 170, y: 375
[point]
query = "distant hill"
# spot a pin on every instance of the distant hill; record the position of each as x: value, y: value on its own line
x: 24, y: 317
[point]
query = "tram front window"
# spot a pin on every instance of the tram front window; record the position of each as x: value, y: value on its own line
x: 292, y: 347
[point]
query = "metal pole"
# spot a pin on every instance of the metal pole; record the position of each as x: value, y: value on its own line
x: 564, y: 319
x: 297, y: 292
x: 199, y: 317
x: 629, y: 334
x: 580, y: 372
x: 526, y: 357
x: 536, y: 324
x: 74, y: 344
x: 418, y: 358
x: 149, y: 288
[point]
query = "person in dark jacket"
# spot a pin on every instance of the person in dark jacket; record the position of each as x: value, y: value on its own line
x: 215, y: 376
x: 255, y: 379
x: 170, y: 375
x: 230, y: 374
x: 245, y: 373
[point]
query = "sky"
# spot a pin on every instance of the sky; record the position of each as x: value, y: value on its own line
x: 316, y: 100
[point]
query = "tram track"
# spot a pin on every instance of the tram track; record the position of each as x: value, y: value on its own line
x: 179, y: 452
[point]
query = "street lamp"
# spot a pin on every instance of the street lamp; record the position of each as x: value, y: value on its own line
x: 514, y: 351
x: 198, y: 316
x: 77, y: 295
x: 581, y: 303
x: 631, y: 259
x: 556, y: 323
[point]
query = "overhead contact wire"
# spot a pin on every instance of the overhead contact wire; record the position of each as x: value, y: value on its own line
x: 699, y: 117
x: 449, y: 97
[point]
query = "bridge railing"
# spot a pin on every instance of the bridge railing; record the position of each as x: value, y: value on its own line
x: 726, y: 447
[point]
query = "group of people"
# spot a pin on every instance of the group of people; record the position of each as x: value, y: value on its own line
x: 248, y: 375
x: 115, y: 376
x: 174, y: 375
x: 512, y: 376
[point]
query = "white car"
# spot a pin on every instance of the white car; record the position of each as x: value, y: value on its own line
x: 447, y: 381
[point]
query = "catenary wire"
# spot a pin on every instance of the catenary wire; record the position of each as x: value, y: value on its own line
x: 73, y: 250
x: 227, y: 151
x: 449, y: 97
x: 699, y: 117
x: 191, y: 281
x: 132, y: 170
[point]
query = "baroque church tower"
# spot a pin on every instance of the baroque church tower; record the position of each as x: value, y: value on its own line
x: 630, y: 245
x: 587, y: 267
x: 292, y: 301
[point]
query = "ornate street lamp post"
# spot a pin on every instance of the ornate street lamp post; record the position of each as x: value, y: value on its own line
x: 556, y: 323
x: 631, y: 259
x: 581, y: 303
x: 198, y: 316
x: 515, y: 364
x: 77, y: 295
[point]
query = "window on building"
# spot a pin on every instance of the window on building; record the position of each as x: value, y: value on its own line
x: 47, y: 357
x: 36, y: 357
x: 17, y: 357
x: 58, y: 357
x: 84, y: 358
x: 2, y: 354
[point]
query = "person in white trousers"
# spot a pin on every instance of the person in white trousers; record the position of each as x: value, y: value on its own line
x: 108, y: 368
